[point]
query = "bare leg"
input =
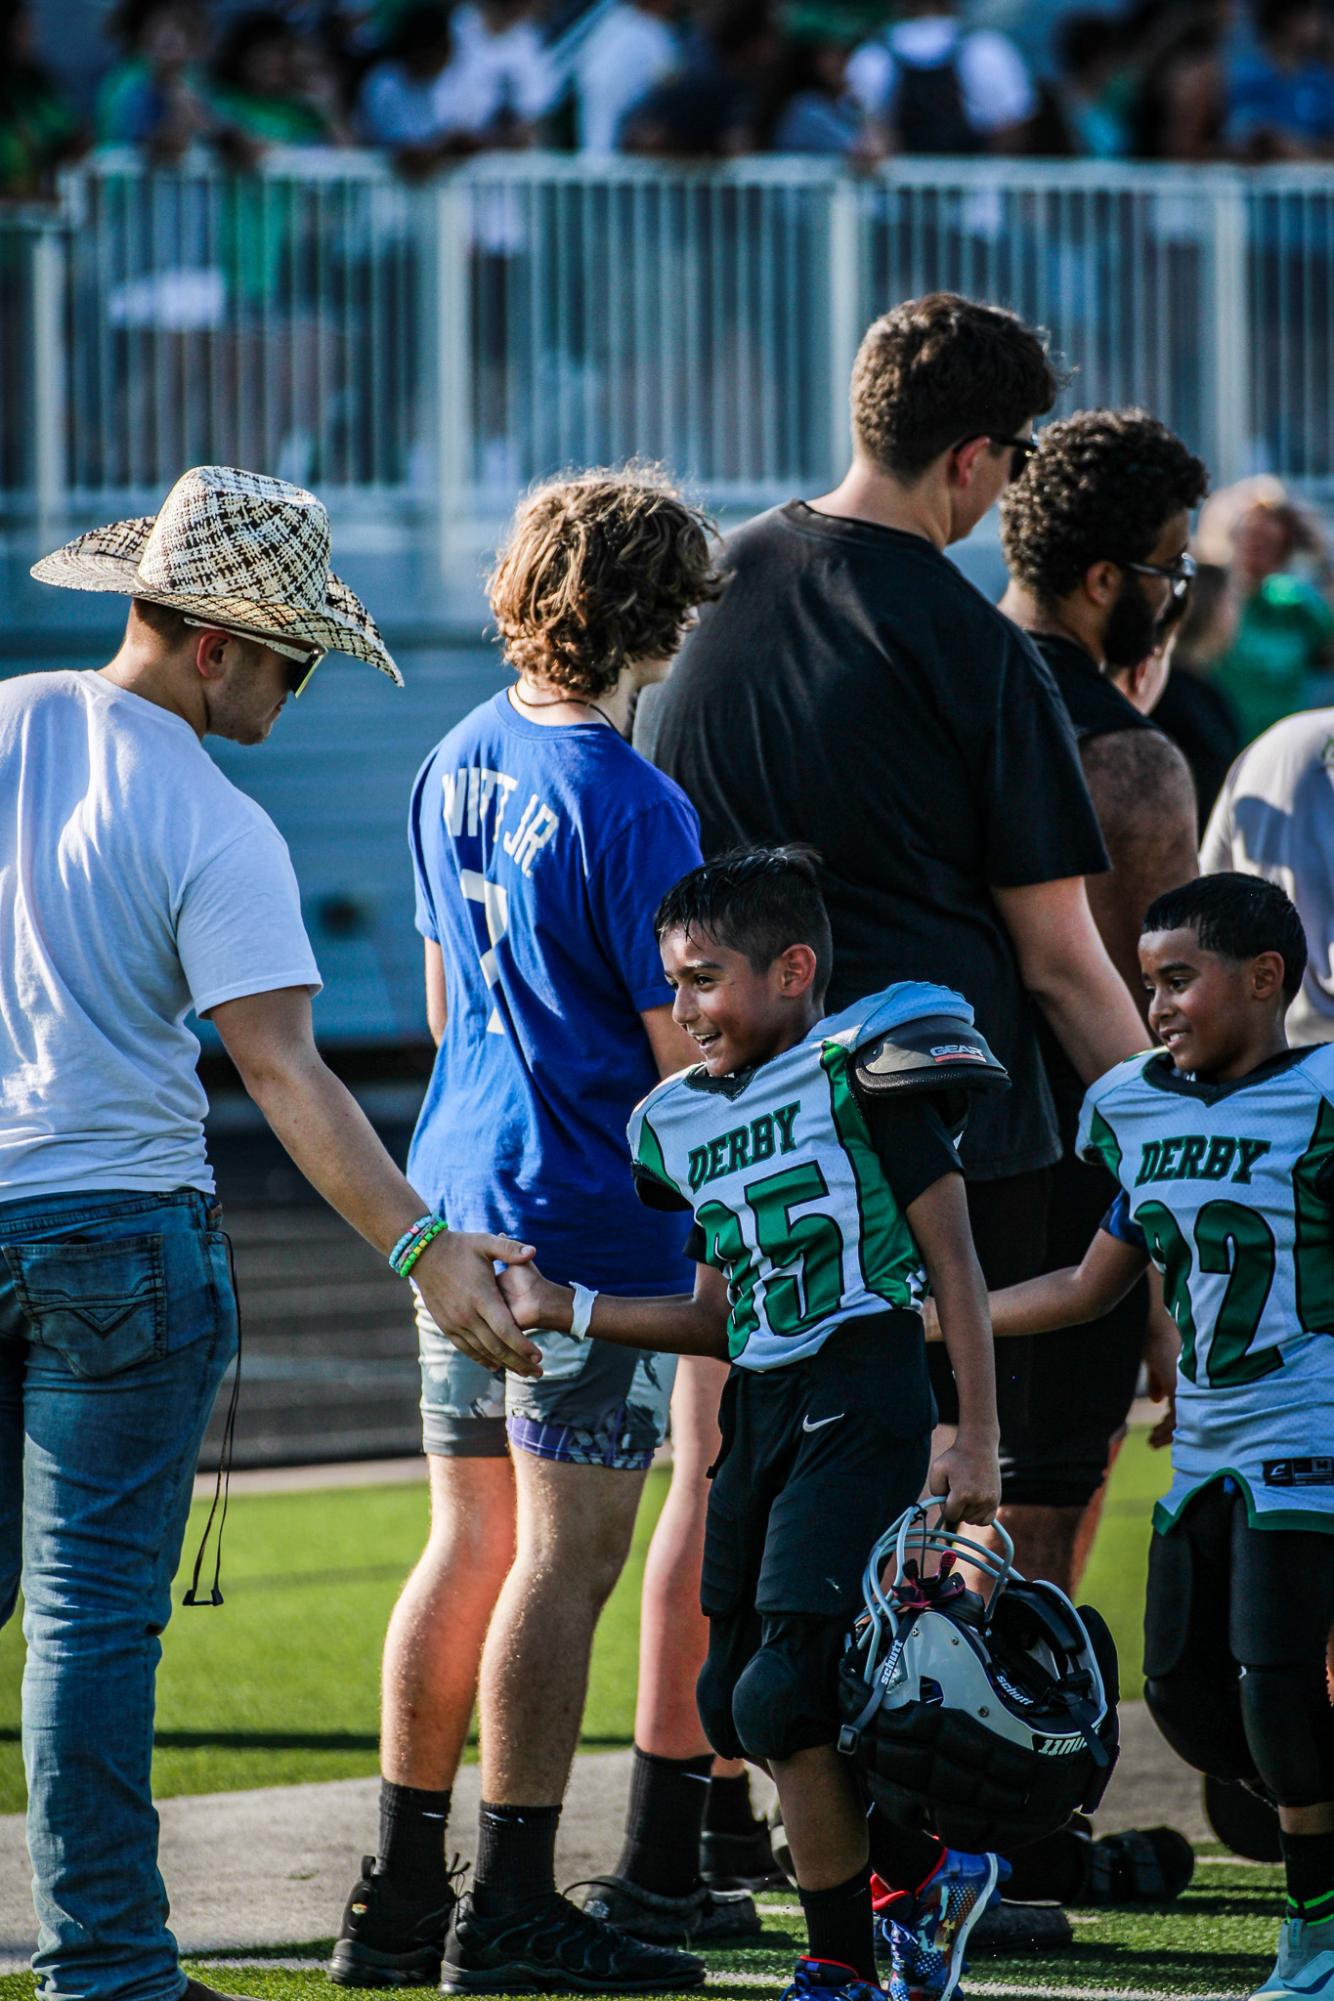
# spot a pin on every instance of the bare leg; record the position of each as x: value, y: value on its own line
x: 823, y: 1816
x: 673, y: 1632
x: 438, y: 1627
x: 1044, y: 1541
x: 1092, y: 1517
x: 574, y: 1529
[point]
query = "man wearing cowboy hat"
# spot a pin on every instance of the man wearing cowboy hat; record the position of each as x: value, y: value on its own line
x: 136, y: 884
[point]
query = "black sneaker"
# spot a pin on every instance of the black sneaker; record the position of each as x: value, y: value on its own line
x: 740, y: 1861
x: 702, y: 1917
x: 1005, y: 1928
x: 550, y: 1946
x: 389, y: 1940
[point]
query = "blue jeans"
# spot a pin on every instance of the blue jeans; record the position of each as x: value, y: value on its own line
x: 117, y: 1323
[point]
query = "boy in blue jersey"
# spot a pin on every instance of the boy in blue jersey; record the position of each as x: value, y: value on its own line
x: 816, y: 1156
x: 1222, y: 1142
x: 541, y: 843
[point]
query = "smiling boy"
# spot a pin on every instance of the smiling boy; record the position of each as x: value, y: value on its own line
x: 817, y: 1155
x: 1222, y: 1142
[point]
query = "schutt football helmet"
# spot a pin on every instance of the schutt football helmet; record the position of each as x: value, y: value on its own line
x: 987, y: 1724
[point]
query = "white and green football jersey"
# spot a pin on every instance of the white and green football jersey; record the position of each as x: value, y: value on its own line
x: 786, y: 1186
x: 1230, y: 1185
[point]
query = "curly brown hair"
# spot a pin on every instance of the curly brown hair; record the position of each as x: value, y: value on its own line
x: 601, y: 568
x: 1099, y: 488
x: 943, y: 368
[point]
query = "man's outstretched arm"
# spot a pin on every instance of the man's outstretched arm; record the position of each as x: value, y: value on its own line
x: 270, y: 1040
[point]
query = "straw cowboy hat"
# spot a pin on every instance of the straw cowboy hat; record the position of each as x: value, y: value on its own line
x: 233, y: 548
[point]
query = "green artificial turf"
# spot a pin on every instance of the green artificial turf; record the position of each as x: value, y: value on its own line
x: 281, y: 1684
x: 1218, y: 1940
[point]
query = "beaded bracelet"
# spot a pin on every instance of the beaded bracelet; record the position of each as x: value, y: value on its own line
x: 413, y: 1242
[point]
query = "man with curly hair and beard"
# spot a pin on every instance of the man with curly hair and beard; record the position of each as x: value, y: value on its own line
x: 1095, y: 535
x: 541, y: 845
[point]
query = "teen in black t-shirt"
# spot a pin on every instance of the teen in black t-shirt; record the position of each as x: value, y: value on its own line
x: 852, y: 690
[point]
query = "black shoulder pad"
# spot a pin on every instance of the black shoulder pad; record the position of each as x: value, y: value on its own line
x: 935, y: 1053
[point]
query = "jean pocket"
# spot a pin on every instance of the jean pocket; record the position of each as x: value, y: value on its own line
x: 102, y: 1306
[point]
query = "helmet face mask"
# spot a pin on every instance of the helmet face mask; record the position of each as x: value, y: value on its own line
x: 987, y: 1724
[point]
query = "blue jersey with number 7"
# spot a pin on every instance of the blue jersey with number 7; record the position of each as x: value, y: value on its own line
x: 540, y: 854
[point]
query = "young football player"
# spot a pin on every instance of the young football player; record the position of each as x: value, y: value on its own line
x: 826, y: 1196
x: 1222, y: 1141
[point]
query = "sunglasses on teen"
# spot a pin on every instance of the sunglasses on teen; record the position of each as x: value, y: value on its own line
x: 305, y: 659
x: 1021, y: 449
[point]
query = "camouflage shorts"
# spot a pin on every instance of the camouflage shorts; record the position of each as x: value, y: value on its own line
x: 594, y: 1404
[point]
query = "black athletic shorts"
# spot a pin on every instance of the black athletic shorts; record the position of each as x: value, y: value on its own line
x: 1082, y: 1381
x: 816, y: 1461
x: 1009, y: 1224
x: 1221, y: 1590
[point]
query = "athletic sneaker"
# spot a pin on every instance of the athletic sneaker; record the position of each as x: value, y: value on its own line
x: 740, y: 1861
x: 830, y: 1980
x: 388, y: 1940
x: 926, y: 1940
x: 550, y: 1946
x: 1304, y: 1969
x: 702, y: 1917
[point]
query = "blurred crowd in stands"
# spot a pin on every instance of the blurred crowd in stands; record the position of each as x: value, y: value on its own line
x: 429, y: 82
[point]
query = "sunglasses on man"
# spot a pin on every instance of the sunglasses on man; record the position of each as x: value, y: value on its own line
x: 1178, y: 574
x: 1021, y: 449
x: 304, y: 658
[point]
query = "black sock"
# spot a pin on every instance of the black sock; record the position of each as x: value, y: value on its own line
x: 663, y: 1822
x: 839, y: 1925
x: 412, y: 1839
x: 1308, y: 1862
x: 516, y: 1856
x: 900, y: 1856
x: 729, y: 1810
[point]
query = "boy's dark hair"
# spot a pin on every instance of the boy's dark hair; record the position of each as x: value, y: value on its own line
x: 601, y: 568
x: 1098, y: 489
x: 940, y: 369
x: 757, y: 901
x: 1238, y: 916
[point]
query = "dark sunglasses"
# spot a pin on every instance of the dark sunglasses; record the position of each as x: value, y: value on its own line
x: 1021, y: 449
x: 1177, y: 574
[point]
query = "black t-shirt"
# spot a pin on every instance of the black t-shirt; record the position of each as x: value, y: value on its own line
x: 1198, y: 717
x: 1095, y: 705
x: 850, y: 688
x: 1097, y: 708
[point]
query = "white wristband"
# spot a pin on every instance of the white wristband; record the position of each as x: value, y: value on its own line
x: 582, y: 1311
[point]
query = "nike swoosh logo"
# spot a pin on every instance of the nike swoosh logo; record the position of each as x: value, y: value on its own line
x: 821, y: 1422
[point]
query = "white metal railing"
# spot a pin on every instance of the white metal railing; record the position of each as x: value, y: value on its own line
x: 425, y: 351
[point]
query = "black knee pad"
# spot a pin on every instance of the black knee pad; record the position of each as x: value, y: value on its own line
x: 713, y: 1699
x: 785, y: 1699
x: 1203, y: 1724
x: 1290, y: 1731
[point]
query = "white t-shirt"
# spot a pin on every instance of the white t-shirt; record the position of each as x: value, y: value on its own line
x: 625, y: 55
x: 136, y: 883
x: 1275, y: 818
x: 997, y: 89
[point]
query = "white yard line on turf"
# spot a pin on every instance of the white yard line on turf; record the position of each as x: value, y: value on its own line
x: 718, y: 1977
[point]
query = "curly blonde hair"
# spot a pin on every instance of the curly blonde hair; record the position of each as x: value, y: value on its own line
x: 601, y: 568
